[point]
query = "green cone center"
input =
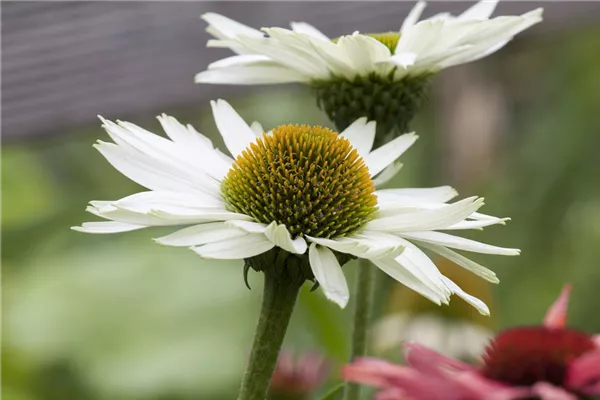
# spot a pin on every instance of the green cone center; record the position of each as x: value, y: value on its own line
x: 388, y: 39
x: 306, y: 177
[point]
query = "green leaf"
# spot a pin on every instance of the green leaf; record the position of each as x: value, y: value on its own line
x: 335, y: 394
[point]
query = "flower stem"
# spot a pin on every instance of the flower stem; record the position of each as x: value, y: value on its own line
x: 279, y: 298
x: 365, y: 283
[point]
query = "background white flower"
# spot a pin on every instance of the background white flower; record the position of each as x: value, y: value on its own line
x: 304, y: 54
x: 192, y: 183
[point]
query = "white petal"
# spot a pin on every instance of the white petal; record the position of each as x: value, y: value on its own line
x: 248, y: 226
x: 440, y: 194
x: 364, y: 52
x: 307, y: 29
x: 463, y: 261
x: 106, y: 227
x: 241, y: 60
x: 421, y: 266
x: 200, y: 234
x: 251, y: 75
x: 154, y: 174
x: 426, y: 220
x: 380, y: 158
x: 387, y: 174
x: 480, y: 11
x: 161, y: 215
x: 155, y: 200
x: 476, y: 224
x: 361, y: 246
x: 257, y: 128
x: 288, y: 49
x: 405, y: 59
x: 329, y: 274
x: 413, y: 16
x: 236, y: 133
x: 402, y: 275
x: 422, y: 39
x: 228, y: 28
x: 361, y: 135
x: 280, y: 236
x: 474, y: 301
x: 236, y: 248
x: 459, y: 243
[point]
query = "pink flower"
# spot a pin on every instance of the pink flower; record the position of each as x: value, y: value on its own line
x: 297, y: 378
x: 548, y: 362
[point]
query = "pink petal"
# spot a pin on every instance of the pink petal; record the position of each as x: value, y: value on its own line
x: 596, y: 340
x: 429, y: 362
x: 584, y: 373
x: 556, y: 316
x: 546, y: 391
x: 374, y: 372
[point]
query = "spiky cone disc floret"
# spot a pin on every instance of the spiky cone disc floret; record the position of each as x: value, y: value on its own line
x: 301, y: 194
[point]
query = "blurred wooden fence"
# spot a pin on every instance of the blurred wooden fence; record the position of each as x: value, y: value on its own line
x: 65, y: 62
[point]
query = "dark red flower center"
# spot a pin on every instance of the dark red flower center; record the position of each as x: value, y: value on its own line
x: 524, y: 356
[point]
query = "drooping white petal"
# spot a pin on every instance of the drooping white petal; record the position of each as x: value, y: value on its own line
x: 413, y: 16
x: 329, y: 274
x: 463, y: 261
x: 106, y: 227
x: 200, y: 234
x: 422, y: 39
x: 474, y: 301
x: 236, y: 133
x: 455, y: 242
x: 228, y: 28
x: 380, y: 158
x: 402, y: 275
x: 361, y: 135
x: 236, y: 248
x: 250, y: 75
x: 482, y: 10
x: 279, y: 235
x: 307, y: 29
x: 421, y: 266
x: 438, y: 218
x: 241, y: 60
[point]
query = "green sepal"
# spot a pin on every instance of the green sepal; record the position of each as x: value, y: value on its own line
x: 391, y: 103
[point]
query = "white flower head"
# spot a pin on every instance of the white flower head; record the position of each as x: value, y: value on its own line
x: 303, y: 192
x: 304, y: 54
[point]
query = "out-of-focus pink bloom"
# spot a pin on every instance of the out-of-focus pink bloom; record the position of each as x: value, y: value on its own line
x: 298, y: 377
x: 548, y: 362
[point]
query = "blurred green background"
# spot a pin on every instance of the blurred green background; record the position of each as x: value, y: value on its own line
x: 117, y: 317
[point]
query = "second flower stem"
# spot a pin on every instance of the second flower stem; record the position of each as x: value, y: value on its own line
x: 279, y: 298
x: 365, y: 284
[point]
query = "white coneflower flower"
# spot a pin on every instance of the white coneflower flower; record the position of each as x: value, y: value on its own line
x: 297, y: 195
x: 381, y: 76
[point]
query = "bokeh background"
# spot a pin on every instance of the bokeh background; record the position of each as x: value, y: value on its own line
x: 116, y: 317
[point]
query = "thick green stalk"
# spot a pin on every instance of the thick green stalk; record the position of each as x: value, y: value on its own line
x: 279, y: 298
x: 365, y: 283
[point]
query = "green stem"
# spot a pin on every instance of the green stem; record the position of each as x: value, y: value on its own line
x: 365, y: 283
x: 279, y: 298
